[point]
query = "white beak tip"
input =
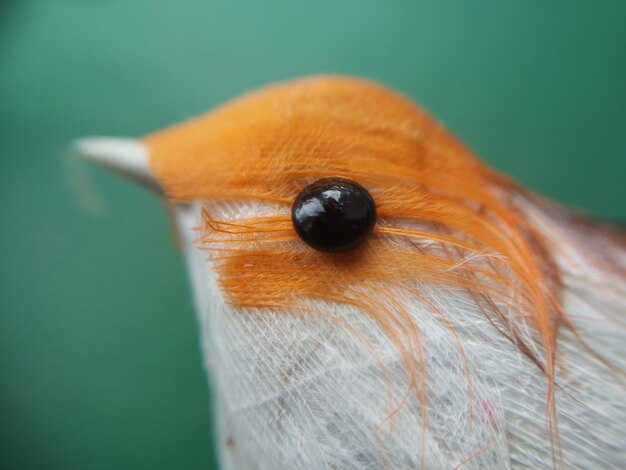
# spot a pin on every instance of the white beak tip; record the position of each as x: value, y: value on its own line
x: 126, y: 156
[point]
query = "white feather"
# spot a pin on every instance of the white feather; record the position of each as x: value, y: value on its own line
x: 300, y: 391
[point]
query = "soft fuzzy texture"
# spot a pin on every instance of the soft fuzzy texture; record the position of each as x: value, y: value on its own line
x: 475, y: 328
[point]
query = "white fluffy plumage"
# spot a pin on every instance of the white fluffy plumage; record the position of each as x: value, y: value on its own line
x: 300, y: 391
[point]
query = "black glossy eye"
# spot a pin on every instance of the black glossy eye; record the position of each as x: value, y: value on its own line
x: 333, y: 214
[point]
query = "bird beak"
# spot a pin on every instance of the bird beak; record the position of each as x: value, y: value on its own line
x: 128, y: 157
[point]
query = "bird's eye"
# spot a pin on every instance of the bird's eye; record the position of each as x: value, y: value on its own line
x: 333, y: 214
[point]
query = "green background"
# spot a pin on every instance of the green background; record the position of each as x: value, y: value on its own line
x: 99, y: 357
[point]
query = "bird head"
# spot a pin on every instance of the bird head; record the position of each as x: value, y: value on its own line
x: 431, y: 338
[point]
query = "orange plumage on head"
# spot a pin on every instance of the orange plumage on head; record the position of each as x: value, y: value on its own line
x: 269, y: 144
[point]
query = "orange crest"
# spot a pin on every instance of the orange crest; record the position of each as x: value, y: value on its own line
x: 444, y: 218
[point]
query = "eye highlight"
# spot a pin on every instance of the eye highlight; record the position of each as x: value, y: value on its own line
x: 333, y: 214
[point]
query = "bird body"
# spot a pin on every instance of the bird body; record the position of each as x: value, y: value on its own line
x: 478, y: 326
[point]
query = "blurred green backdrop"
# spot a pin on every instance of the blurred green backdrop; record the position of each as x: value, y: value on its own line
x: 99, y: 356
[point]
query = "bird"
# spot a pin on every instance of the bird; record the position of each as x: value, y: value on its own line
x: 371, y: 294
